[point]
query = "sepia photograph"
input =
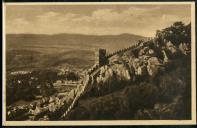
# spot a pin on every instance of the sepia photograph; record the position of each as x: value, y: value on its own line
x: 130, y: 63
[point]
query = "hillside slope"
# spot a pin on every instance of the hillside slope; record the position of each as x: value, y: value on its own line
x: 165, y: 97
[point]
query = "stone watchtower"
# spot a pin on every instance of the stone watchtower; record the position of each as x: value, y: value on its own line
x: 100, y: 57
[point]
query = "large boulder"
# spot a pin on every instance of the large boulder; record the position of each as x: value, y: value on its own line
x: 122, y: 72
x: 185, y: 48
x: 136, y: 63
x: 139, y: 64
x: 141, y: 70
x: 151, y: 52
x: 171, y: 48
x: 154, y: 66
x: 165, y: 57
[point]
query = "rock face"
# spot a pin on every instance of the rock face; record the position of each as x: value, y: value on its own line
x: 165, y: 57
x: 140, y: 67
x: 154, y: 65
x: 143, y: 60
x: 145, y: 100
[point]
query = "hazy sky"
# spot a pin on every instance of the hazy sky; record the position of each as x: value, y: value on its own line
x: 95, y: 19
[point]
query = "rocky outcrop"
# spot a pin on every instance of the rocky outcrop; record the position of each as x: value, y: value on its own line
x: 154, y: 66
x: 161, y: 98
x: 185, y: 48
x: 124, y: 66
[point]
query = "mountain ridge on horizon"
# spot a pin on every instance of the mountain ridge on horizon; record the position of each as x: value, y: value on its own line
x: 61, y: 49
x: 77, y: 34
x: 122, y: 40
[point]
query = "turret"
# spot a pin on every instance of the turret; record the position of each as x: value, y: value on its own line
x: 100, y: 57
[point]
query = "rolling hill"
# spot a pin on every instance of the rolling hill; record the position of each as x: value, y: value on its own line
x: 30, y: 51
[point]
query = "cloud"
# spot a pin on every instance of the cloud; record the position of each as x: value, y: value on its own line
x: 137, y: 20
x: 106, y: 15
x: 17, y: 25
x: 20, y: 21
x: 48, y: 15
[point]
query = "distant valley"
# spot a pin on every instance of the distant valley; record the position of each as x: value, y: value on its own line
x: 34, y: 51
